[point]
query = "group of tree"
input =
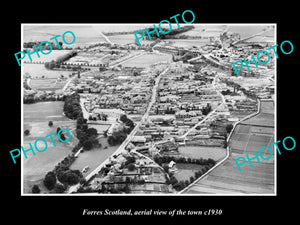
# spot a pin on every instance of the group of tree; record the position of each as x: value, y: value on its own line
x: 54, y: 46
x: 72, y: 108
x: 44, y: 98
x: 227, y: 92
x: 131, y: 167
x: 229, y: 127
x: 99, y: 117
x: 205, y: 110
x: 87, y: 136
x: 65, y: 57
x: 64, y: 175
x: 166, y: 159
x: 69, y: 177
x: 35, y: 189
x: 168, y: 111
x: 117, y: 137
x: 50, y: 180
x: 179, y: 185
x: 57, y: 63
x: 128, y: 123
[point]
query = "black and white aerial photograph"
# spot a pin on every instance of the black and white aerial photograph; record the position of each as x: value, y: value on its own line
x: 165, y: 115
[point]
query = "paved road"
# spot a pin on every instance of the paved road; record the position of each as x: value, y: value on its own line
x: 211, y: 113
x: 105, y: 37
x: 129, y: 137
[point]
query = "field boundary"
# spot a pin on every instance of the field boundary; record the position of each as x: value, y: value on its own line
x: 227, y: 150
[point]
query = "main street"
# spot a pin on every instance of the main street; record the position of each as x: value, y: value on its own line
x: 130, y: 136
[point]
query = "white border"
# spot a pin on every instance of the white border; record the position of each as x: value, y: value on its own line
x: 150, y: 195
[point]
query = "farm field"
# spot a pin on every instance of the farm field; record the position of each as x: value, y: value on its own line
x: 46, y: 58
x: 189, y: 43
x: 43, y: 112
x: 36, y: 117
x: 204, y: 30
x: 85, y: 34
x: 258, y: 179
x: 83, y: 58
x: 214, y: 153
x: 253, y: 82
x: 122, y: 38
x: 146, y: 60
x: 265, y: 117
x: 47, y: 84
x: 185, y: 171
x: 254, y: 139
x: 39, y: 70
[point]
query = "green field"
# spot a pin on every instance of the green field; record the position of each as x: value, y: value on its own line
x: 185, y: 171
x: 47, y: 84
x: 85, y: 34
x: 36, y: 166
x: 94, y: 157
x: 247, y: 138
x: 122, y: 38
x: 214, y: 153
x: 35, y: 118
x: 189, y: 43
x: 44, y: 111
x: 46, y: 58
x: 146, y: 60
x: 39, y: 70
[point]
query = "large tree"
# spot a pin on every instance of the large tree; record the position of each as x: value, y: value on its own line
x: 229, y: 127
x: 59, y: 188
x: 131, y: 167
x: 91, y: 131
x: 35, y: 189
x: 50, y: 180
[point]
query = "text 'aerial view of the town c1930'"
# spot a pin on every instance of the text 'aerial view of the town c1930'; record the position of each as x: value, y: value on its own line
x: 168, y: 116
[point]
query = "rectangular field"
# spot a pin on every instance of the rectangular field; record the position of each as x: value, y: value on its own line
x: 122, y: 38
x: 215, y: 153
x: 47, y: 84
x: 46, y: 58
x: 146, y: 60
x: 39, y: 70
x: 256, y: 179
x: 44, y: 111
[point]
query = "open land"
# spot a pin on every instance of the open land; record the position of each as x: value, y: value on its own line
x: 36, y: 117
x: 258, y: 179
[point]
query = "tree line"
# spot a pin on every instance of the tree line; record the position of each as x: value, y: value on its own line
x: 86, y: 137
x: 119, y: 136
x: 179, y: 185
x: 171, y: 34
x: 166, y: 159
x: 56, y: 64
